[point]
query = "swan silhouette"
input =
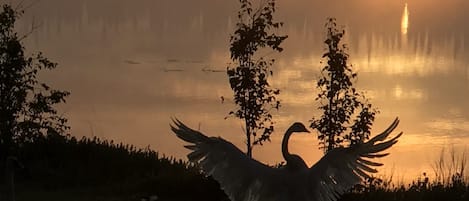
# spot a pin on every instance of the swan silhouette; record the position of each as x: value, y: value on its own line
x: 246, y: 179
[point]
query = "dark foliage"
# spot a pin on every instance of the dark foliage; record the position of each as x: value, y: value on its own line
x: 249, y: 78
x: 26, y: 105
x: 101, y: 168
x: 421, y: 189
x: 340, y: 101
x: 61, y: 167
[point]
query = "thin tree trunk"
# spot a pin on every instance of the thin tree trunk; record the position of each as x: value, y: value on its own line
x: 248, y: 137
x: 331, y: 134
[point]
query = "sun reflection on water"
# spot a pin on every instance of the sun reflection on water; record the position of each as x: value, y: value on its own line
x: 405, y: 21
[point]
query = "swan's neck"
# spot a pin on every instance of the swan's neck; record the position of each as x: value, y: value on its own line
x: 286, y: 154
x: 294, y: 162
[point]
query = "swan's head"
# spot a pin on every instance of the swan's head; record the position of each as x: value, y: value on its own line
x: 298, y: 127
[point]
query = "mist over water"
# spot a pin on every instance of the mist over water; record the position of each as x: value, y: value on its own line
x: 131, y: 65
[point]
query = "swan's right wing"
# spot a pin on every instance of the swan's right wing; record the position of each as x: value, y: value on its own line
x: 241, y: 177
x: 342, y: 168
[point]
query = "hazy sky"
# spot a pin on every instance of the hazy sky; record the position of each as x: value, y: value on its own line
x: 131, y: 65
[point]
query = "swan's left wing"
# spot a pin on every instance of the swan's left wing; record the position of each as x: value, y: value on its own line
x: 242, y: 178
x: 342, y: 168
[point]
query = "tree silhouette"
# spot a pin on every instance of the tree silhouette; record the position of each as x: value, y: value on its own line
x: 339, y: 100
x: 26, y: 105
x: 249, y: 77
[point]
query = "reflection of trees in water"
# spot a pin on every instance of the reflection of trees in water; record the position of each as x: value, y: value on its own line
x: 434, y: 46
x: 363, y: 16
x: 210, y: 21
x: 176, y: 15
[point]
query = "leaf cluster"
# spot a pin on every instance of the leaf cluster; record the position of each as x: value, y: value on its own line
x: 26, y: 105
x: 254, y: 30
x: 249, y: 77
x: 340, y: 100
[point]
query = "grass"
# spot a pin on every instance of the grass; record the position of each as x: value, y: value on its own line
x: 65, y: 168
x: 449, y: 183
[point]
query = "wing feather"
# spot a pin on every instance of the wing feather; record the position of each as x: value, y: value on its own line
x: 342, y: 168
x: 239, y: 176
x: 370, y: 163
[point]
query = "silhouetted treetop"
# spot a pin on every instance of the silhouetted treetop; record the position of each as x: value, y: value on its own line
x: 340, y: 101
x: 249, y: 77
x: 26, y: 104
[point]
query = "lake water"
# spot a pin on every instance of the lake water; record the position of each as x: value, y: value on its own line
x: 131, y: 65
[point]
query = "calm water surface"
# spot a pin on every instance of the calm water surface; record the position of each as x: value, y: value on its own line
x: 131, y: 65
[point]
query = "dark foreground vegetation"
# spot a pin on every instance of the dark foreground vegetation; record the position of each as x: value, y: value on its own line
x: 66, y: 168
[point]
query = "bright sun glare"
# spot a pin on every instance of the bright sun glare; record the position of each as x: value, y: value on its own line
x: 405, y: 21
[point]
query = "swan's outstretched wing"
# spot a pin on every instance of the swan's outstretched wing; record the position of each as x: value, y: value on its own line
x: 241, y: 178
x: 342, y: 168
